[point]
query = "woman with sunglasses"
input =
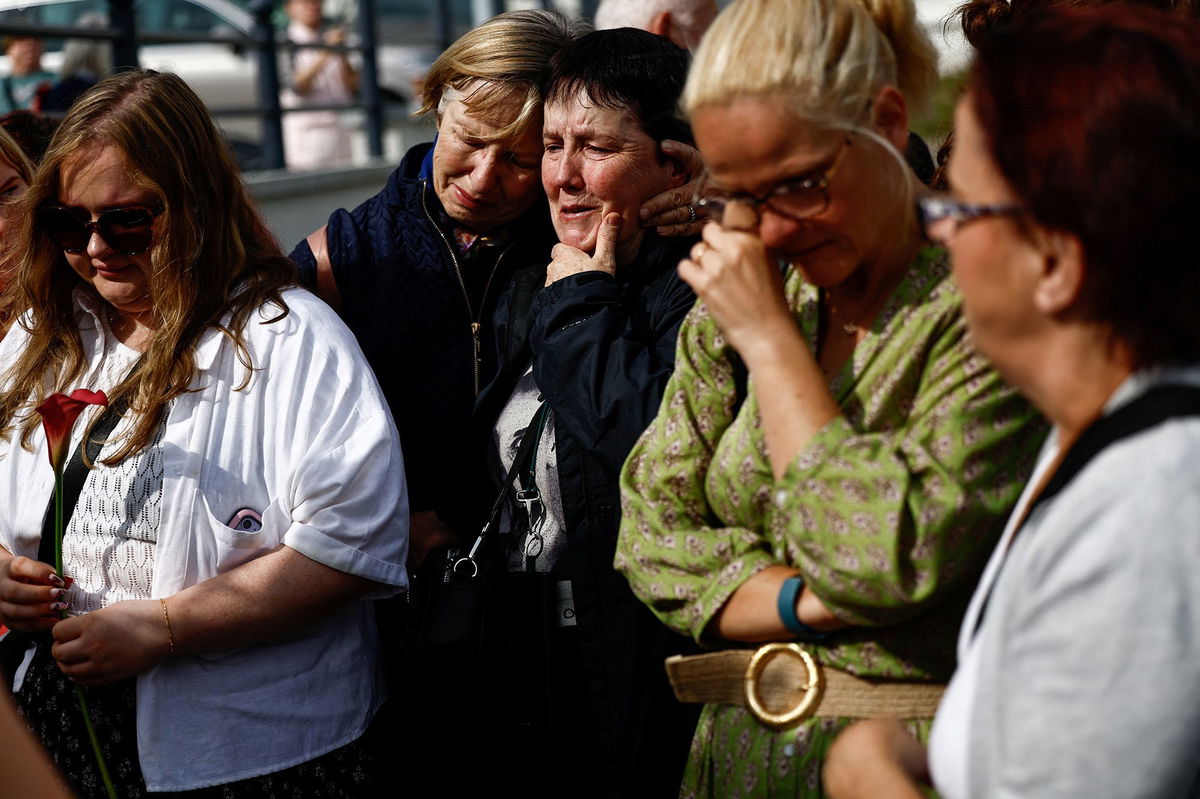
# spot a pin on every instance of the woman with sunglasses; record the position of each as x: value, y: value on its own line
x: 1075, y: 179
x: 239, y: 500
x: 844, y: 495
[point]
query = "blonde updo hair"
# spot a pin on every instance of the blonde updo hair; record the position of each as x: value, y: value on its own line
x: 825, y: 59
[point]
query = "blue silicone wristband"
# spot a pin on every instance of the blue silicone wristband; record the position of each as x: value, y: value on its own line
x: 786, y: 605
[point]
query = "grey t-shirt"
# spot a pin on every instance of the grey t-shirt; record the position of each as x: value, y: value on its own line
x: 546, y: 541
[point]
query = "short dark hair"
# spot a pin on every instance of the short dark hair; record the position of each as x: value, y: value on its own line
x: 626, y: 68
x: 1092, y: 115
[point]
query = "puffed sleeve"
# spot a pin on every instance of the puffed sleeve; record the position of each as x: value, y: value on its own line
x: 890, y: 507
x: 677, y: 557
x: 883, y: 523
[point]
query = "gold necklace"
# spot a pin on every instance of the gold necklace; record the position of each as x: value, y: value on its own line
x: 849, y: 328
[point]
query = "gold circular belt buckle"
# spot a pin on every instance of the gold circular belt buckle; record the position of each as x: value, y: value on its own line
x: 812, y: 687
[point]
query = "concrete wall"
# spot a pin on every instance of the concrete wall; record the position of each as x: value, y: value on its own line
x: 297, y: 203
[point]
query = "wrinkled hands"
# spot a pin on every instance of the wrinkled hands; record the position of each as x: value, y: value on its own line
x: 568, y: 260
x: 672, y: 213
x: 739, y: 282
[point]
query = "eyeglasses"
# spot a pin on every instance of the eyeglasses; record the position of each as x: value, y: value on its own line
x: 129, y: 231
x: 941, y: 215
x: 796, y: 200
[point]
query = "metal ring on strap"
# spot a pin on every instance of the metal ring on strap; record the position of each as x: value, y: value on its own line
x: 466, y: 567
x: 812, y: 690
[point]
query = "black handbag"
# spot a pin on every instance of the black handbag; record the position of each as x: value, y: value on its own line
x: 458, y: 600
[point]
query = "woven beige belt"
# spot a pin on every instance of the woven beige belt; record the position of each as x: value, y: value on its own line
x: 782, y: 685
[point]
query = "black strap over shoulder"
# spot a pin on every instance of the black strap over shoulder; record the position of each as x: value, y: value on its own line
x: 1149, y: 410
x: 468, y: 565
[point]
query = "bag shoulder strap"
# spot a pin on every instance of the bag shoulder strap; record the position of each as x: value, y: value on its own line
x: 468, y: 566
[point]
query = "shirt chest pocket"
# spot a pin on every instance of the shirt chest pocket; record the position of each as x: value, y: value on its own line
x: 232, y: 530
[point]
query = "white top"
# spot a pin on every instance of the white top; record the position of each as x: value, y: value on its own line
x: 314, y: 138
x: 109, y: 543
x: 310, y: 445
x: 1083, y: 679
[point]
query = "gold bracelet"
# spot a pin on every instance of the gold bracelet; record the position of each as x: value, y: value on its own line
x: 167, y: 619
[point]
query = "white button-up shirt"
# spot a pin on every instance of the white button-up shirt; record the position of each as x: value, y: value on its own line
x: 310, y: 445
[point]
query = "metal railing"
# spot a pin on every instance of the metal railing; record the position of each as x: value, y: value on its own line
x: 264, y: 41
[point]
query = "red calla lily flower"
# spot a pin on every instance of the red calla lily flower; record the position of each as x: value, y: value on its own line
x: 59, y: 412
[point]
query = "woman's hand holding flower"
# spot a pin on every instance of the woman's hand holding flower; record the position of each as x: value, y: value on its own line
x: 122, y: 640
x: 31, y: 594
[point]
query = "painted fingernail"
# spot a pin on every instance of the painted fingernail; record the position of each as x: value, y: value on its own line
x: 56, y: 580
x: 69, y: 581
x: 57, y: 593
x: 57, y: 606
x: 644, y: 213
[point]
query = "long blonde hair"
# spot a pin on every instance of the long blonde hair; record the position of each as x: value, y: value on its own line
x: 212, y: 255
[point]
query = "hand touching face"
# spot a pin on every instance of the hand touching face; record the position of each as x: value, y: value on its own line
x: 600, y: 161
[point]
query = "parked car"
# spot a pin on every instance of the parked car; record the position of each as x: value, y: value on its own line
x: 225, y: 75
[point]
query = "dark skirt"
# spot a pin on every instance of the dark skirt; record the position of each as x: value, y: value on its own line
x: 48, y: 702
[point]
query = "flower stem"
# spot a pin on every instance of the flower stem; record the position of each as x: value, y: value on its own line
x: 58, y: 522
x: 58, y: 567
x: 91, y: 731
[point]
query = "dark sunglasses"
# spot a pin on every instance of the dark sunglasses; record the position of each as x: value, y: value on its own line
x: 129, y: 231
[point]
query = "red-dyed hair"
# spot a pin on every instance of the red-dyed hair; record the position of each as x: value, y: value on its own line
x: 1093, y: 117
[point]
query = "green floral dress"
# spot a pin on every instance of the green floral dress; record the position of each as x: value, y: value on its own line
x: 889, y: 513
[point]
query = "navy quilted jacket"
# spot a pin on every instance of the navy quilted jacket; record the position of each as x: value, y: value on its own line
x: 404, y: 299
